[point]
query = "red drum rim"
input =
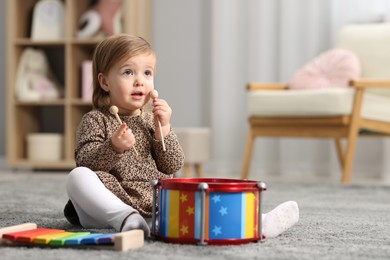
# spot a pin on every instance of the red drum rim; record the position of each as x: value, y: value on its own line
x: 215, y: 242
x: 214, y: 184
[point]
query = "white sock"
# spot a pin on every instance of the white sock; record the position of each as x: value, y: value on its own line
x: 136, y: 221
x: 280, y: 219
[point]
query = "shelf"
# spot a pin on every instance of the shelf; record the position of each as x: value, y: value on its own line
x: 34, y: 43
x: 85, y: 42
x: 65, y: 57
x: 29, y: 42
x: 56, y: 102
x: 46, y: 165
x: 80, y: 102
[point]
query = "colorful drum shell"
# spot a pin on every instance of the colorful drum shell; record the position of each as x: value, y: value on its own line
x: 231, y: 214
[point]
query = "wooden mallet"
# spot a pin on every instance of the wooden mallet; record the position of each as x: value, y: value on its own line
x: 154, y: 95
x: 114, y: 110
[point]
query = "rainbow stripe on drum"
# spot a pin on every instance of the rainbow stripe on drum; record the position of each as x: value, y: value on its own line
x: 178, y: 219
x: 231, y: 215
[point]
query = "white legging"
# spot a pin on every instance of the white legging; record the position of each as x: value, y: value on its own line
x: 96, y: 206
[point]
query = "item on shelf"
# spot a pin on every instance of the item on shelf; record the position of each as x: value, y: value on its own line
x: 103, y: 17
x: 34, y: 79
x: 45, y: 146
x: 48, y: 20
x: 86, y: 78
x: 89, y: 23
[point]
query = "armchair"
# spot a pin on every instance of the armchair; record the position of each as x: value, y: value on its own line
x: 276, y: 110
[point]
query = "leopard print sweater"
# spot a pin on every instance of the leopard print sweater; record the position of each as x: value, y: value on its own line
x: 126, y: 175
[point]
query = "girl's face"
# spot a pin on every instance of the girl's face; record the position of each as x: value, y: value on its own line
x: 129, y: 83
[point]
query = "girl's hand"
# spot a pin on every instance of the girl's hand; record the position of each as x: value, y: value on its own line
x: 162, y: 112
x: 123, y: 139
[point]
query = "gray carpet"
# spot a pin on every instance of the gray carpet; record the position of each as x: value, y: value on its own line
x: 337, y: 222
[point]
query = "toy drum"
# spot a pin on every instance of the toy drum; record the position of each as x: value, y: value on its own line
x: 207, y: 211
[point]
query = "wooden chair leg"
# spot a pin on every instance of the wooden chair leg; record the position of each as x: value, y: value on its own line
x: 349, y: 155
x: 340, y: 152
x: 247, y: 155
x: 198, y: 170
x: 187, y: 170
x: 352, y: 137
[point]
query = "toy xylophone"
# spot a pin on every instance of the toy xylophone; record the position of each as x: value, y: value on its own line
x: 29, y: 234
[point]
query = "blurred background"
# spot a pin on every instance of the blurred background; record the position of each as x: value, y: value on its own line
x: 208, y: 50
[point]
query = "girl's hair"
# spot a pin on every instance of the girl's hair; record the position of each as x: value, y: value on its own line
x: 110, y: 51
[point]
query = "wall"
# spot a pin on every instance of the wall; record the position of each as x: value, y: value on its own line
x: 182, y: 42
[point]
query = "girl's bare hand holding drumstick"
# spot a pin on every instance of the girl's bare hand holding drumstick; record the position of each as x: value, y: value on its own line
x: 162, y: 113
x: 123, y: 139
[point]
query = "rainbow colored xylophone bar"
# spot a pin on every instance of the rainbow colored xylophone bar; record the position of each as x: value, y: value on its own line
x: 29, y: 234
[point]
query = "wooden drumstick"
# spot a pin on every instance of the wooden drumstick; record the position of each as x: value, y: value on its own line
x: 154, y: 95
x: 114, y: 110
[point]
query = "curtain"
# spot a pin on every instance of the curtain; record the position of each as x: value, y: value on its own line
x: 267, y: 41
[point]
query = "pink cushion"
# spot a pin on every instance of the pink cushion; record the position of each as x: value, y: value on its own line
x: 331, y: 69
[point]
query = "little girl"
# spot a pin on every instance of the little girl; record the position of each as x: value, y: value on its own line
x: 110, y: 188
